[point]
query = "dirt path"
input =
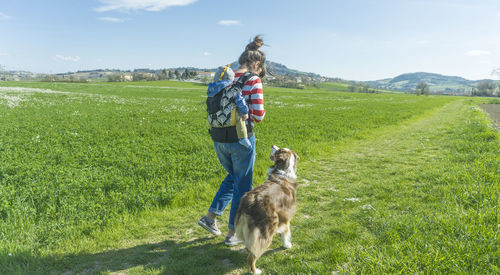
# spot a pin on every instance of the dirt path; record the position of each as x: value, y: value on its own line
x: 494, y: 111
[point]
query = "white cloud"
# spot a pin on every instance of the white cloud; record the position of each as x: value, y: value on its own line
x: 4, y: 16
x: 68, y: 58
x: 112, y: 19
x: 478, y: 52
x: 228, y: 22
x: 206, y: 54
x: 148, y: 5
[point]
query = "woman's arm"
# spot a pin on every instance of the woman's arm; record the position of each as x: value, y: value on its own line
x: 253, y: 91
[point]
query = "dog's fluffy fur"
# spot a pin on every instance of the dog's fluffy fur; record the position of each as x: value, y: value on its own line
x: 268, y: 209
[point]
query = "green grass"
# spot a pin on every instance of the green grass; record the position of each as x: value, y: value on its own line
x: 125, y: 191
x: 428, y: 196
x: 335, y: 86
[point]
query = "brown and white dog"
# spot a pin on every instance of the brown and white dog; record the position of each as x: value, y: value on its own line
x: 268, y: 208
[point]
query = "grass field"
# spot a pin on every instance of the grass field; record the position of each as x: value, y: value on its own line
x: 335, y: 86
x: 113, y: 177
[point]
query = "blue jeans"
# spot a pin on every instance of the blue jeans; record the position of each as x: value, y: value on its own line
x: 238, y: 162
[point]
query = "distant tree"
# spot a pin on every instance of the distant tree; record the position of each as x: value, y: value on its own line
x: 306, y: 80
x: 52, y: 78
x: 3, y: 73
x: 185, y: 74
x: 163, y: 75
x: 485, y: 88
x: 138, y: 77
x: 427, y: 91
x: 364, y: 88
x: 422, y: 88
x: 177, y: 74
x: 496, y: 72
x: 205, y: 79
x: 114, y: 78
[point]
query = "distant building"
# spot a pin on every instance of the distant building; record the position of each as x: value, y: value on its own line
x: 126, y: 77
x: 201, y: 75
x: 269, y: 77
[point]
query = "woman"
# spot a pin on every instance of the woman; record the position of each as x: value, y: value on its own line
x: 234, y: 157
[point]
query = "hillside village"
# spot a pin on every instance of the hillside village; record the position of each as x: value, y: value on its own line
x: 146, y: 74
x: 278, y: 76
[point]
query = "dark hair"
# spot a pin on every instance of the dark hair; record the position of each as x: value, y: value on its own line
x: 252, y: 54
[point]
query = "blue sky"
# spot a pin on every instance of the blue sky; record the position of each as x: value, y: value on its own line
x: 357, y: 40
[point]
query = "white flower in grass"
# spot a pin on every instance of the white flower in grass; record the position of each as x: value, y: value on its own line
x: 367, y: 207
x: 352, y: 199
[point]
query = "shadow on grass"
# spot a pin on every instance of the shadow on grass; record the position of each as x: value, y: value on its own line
x: 199, y: 256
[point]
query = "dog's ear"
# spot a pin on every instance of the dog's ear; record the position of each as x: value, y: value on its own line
x: 274, y: 148
x: 296, y: 156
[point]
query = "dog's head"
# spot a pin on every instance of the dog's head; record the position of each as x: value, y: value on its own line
x: 284, y: 160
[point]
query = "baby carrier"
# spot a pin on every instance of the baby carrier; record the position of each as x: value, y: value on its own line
x: 220, y: 102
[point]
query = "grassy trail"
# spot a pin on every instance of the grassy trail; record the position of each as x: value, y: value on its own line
x: 410, y: 198
x: 401, y: 201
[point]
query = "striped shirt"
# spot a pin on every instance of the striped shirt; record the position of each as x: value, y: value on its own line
x: 253, y: 87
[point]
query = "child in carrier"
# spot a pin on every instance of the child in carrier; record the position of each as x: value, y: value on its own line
x: 223, y: 78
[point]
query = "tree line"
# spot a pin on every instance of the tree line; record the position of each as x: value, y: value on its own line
x: 483, y: 88
x: 486, y: 88
x: 145, y: 76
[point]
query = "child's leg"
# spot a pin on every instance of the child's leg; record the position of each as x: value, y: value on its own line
x: 241, y: 129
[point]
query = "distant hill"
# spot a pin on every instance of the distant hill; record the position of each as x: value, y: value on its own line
x: 280, y: 69
x: 405, y: 82
x: 436, y: 82
x: 273, y: 67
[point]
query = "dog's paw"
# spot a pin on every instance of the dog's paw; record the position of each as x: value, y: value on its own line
x: 258, y: 271
x: 287, y: 245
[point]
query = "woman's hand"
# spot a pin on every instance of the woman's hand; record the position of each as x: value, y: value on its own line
x: 244, y: 117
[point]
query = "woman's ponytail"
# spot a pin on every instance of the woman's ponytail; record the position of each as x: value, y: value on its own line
x: 252, y: 54
x: 255, y: 44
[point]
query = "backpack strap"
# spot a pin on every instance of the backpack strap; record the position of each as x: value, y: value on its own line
x: 244, y: 78
x: 241, y: 82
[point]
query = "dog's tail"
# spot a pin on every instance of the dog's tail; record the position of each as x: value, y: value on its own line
x: 250, y: 235
x: 241, y: 226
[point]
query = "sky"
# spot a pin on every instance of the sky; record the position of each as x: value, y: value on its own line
x: 353, y: 40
